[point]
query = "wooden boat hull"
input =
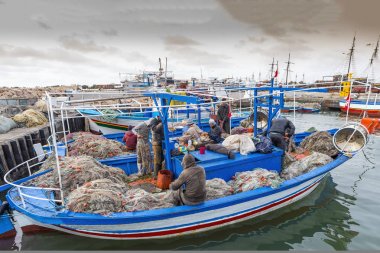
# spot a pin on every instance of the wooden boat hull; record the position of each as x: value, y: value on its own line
x: 175, y: 221
x: 308, y: 110
x: 186, y: 223
x: 358, y: 107
x: 120, y: 125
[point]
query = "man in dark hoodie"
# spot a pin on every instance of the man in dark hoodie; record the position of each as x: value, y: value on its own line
x: 194, y: 177
x: 280, y: 132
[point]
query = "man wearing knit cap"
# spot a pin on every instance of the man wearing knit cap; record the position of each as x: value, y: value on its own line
x: 215, y: 132
x: 144, y: 158
x: 194, y: 177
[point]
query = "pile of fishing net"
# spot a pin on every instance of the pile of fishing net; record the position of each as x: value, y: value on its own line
x: 6, y: 124
x: 101, y: 196
x: 30, y: 118
x: 104, y: 197
x: 305, y: 164
x: 139, y: 199
x: 250, y: 180
x: 321, y: 142
x: 76, y: 171
x: 217, y: 188
x: 95, y: 146
x: 239, y: 142
x: 239, y: 130
x: 41, y: 106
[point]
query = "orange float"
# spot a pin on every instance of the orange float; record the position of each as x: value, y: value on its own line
x: 372, y: 124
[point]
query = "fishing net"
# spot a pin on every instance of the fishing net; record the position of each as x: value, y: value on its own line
x: 250, y: 180
x: 321, y: 142
x: 238, y: 130
x: 6, y: 124
x: 101, y: 196
x: 242, y: 143
x: 30, y: 118
x: 139, y: 199
x: 76, y: 171
x: 217, y: 188
x: 95, y: 146
x: 41, y: 106
x: 49, y: 163
x: 306, y: 164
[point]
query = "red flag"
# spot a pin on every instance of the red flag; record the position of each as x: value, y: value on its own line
x: 348, y: 101
x: 275, y: 73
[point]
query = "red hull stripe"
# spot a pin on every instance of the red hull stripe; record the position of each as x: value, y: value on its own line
x: 195, y: 227
x: 359, y: 111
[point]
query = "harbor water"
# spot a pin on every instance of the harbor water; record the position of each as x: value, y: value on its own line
x: 342, y: 213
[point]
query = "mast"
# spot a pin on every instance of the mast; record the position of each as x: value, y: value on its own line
x: 375, y: 52
x: 277, y: 75
x: 371, y: 61
x: 271, y: 70
x: 166, y: 71
x: 351, y: 55
x: 287, y: 70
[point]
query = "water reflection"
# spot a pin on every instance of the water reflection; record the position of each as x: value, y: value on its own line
x: 324, y: 213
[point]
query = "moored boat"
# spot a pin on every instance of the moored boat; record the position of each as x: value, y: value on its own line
x: 358, y: 107
x: 38, y: 206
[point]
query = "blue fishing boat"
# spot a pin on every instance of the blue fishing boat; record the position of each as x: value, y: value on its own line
x: 39, y: 207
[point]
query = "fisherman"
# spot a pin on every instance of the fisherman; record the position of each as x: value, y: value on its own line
x: 223, y: 116
x: 215, y: 132
x: 194, y: 131
x: 144, y: 158
x: 281, y: 131
x: 130, y: 140
x: 194, y: 177
x: 155, y: 124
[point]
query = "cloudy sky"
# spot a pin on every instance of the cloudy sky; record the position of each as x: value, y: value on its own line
x: 48, y: 42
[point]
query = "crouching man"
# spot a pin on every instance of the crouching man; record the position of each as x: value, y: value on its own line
x: 194, y: 177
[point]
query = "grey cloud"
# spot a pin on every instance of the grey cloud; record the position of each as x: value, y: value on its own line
x: 82, y: 43
x: 27, y: 53
x: 110, y: 32
x: 41, y: 22
x: 194, y: 56
x: 179, y: 40
x: 282, y: 18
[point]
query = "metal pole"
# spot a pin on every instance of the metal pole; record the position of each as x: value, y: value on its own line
x: 56, y: 150
x: 255, y: 112
x: 349, y: 95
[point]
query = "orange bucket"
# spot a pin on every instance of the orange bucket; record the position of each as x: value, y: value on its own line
x: 164, y: 178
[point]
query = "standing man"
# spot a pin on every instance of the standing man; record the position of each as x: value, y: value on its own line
x: 155, y: 124
x: 194, y: 178
x: 223, y: 116
x: 281, y: 130
x: 144, y: 157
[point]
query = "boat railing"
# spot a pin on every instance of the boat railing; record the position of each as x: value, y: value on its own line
x: 20, y: 187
